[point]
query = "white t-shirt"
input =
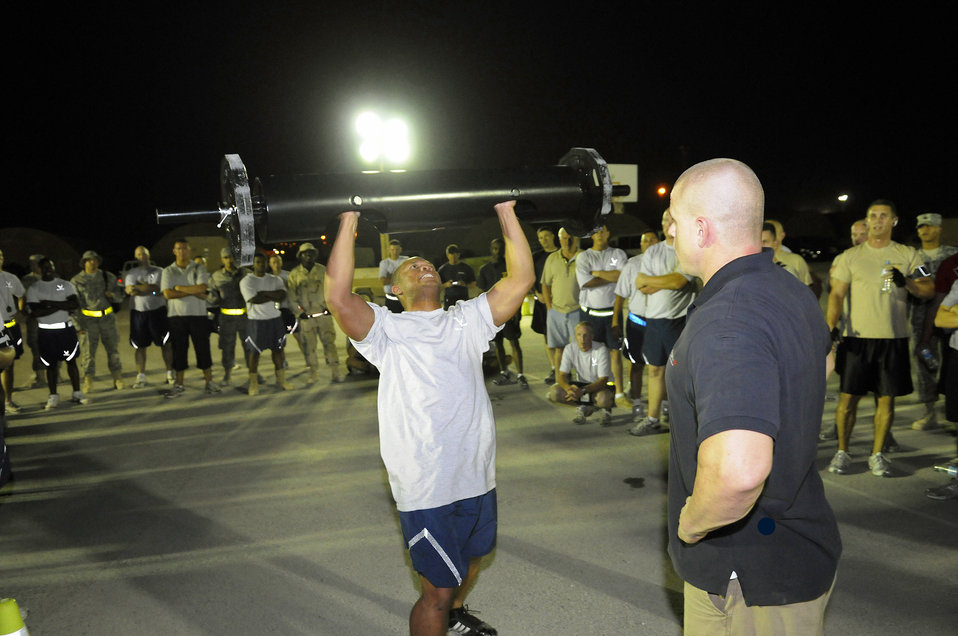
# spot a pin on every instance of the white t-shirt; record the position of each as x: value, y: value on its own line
x: 56, y: 289
x: 660, y: 260
x: 10, y: 286
x: 626, y: 286
x: 589, y: 365
x: 437, y: 435
x: 151, y: 275
x: 251, y: 285
x: 590, y: 260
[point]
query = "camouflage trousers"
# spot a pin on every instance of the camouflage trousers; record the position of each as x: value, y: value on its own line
x: 92, y: 331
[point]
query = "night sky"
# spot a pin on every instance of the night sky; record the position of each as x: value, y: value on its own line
x: 118, y: 111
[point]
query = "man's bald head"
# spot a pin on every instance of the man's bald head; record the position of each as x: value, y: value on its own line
x: 718, y: 207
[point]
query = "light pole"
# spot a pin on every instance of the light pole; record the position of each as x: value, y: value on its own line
x: 383, y: 141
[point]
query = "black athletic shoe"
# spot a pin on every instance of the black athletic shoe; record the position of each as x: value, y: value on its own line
x: 552, y: 378
x: 462, y: 621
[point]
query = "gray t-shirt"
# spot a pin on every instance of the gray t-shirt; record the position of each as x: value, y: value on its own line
x: 192, y: 274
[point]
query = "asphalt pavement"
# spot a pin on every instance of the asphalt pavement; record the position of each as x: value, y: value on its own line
x: 231, y: 514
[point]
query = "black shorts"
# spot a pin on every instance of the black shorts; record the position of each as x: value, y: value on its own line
x: 660, y: 337
x: 16, y: 339
x: 149, y: 327
x: 262, y: 335
x: 601, y: 321
x: 875, y: 365
x: 634, y: 337
x: 539, y: 317
x: 57, y: 344
x: 290, y: 321
x: 948, y: 384
x: 511, y: 329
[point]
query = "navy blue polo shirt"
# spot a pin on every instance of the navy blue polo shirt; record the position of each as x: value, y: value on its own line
x: 752, y: 356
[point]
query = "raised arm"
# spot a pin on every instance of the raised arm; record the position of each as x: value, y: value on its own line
x: 506, y: 295
x: 351, y: 312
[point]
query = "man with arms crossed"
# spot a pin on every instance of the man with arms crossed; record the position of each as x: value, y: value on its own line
x: 436, y: 427
x: 750, y: 530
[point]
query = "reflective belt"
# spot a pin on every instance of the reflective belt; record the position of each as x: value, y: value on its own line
x: 97, y: 313
x: 55, y: 325
x: 10, y: 324
x: 232, y: 312
x: 599, y: 313
x: 639, y: 320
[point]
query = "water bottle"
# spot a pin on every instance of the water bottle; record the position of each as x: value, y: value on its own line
x: 928, y: 358
x: 887, y: 284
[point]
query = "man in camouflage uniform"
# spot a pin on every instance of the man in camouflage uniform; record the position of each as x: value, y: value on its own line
x: 306, y: 297
x: 226, y: 296
x: 97, y: 290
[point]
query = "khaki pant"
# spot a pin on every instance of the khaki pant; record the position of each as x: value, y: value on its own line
x: 91, y: 331
x: 322, y: 328
x: 709, y: 614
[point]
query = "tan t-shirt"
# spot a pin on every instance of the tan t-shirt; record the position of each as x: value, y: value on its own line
x: 794, y: 265
x: 874, y: 314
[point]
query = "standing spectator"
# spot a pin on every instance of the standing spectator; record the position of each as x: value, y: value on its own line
x: 925, y: 338
x: 457, y: 277
x: 490, y: 274
x: 31, y: 322
x: 628, y: 296
x: 226, y: 297
x: 387, y: 267
x: 668, y: 292
x: 947, y: 318
x: 265, y: 328
x: 11, y: 301
x: 184, y: 285
x: 590, y: 390
x: 306, y: 283
x: 873, y: 356
x: 750, y: 530
x: 597, y: 271
x: 547, y: 241
x: 436, y: 425
x: 7, y: 358
x: 97, y: 290
x: 148, y: 321
x: 859, y: 232
x: 792, y: 262
x: 560, y: 295
x: 290, y: 321
x: 51, y: 300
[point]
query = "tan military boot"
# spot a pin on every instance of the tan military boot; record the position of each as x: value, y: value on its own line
x: 253, y: 384
x: 118, y: 382
x: 281, y: 382
x: 313, y: 376
x: 337, y: 374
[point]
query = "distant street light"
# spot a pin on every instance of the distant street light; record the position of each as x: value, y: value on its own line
x: 383, y: 141
x: 843, y: 198
x: 662, y: 191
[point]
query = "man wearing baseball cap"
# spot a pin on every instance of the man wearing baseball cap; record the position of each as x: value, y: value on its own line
x: 926, y: 339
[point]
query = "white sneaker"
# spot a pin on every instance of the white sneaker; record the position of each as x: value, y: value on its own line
x: 52, y: 402
x: 79, y: 398
x: 169, y: 377
x: 12, y: 407
x: 140, y: 381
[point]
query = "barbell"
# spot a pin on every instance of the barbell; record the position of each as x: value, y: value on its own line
x: 278, y: 208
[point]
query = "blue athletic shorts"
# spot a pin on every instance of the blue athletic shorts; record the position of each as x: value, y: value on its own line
x: 660, y: 337
x: 441, y: 541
